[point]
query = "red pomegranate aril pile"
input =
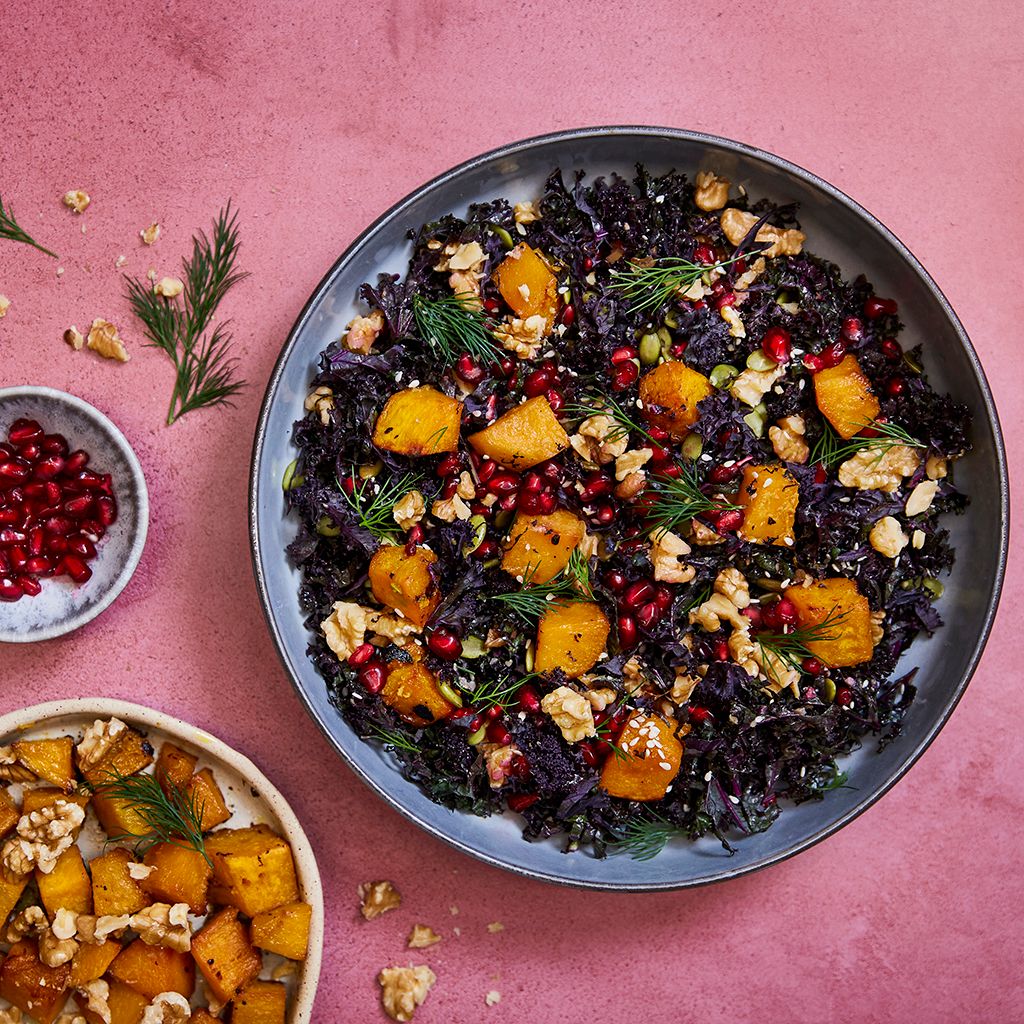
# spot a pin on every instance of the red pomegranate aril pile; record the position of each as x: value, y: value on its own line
x: 833, y: 355
x: 497, y: 733
x: 53, y: 510
x: 703, y: 253
x: 874, y: 307
x: 777, y: 344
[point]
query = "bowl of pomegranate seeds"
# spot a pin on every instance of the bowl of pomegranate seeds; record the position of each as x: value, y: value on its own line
x: 73, y: 513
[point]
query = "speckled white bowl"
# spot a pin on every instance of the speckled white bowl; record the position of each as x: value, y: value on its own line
x: 63, y: 605
x: 251, y: 796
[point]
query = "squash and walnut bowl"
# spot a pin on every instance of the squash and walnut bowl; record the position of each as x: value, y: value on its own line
x: 126, y: 897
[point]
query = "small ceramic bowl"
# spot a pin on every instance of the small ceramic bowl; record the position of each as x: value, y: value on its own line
x: 62, y: 605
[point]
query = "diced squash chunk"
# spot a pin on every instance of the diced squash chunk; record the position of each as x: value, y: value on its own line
x: 284, y: 930
x: 10, y: 892
x: 10, y: 813
x: 49, y: 759
x: 643, y: 772
x: 845, y: 398
x: 525, y: 435
x: 224, y: 955
x: 181, y: 875
x: 527, y: 284
x: 208, y: 800
x: 118, y: 817
x: 114, y: 891
x: 202, y: 1016
x: 539, y: 547
x: 175, y: 766
x: 91, y: 962
x: 260, y: 1002
x: 838, y: 606
x: 126, y: 1005
x: 37, y: 799
x: 571, y: 637
x: 769, y: 496
x: 411, y: 689
x: 670, y: 393
x: 253, y: 868
x: 151, y: 970
x: 67, y: 885
x: 27, y: 983
x: 130, y: 754
x: 419, y: 421
x: 404, y: 583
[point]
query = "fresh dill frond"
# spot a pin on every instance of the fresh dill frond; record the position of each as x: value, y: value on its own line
x: 14, y: 232
x: 650, y: 287
x: 571, y: 584
x: 394, y: 739
x: 595, y: 403
x: 496, y: 693
x: 171, y: 815
x: 604, y: 734
x: 205, y: 372
x: 454, y: 325
x: 794, y: 646
x: 831, y: 449
x: 374, y: 503
x: 676, y: 500
x: 645, y: 838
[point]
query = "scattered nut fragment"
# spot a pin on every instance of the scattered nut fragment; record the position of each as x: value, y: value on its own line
x: 105, y: 341
x: 98, y: 740
x: 151, y: 234
x: 917, y: 539
x: 751, y: 386
x: 96, y: 994
x: 599, y: 440
x: 12, y: 1015
x: 11, y: 769
x: 526, y: 213
x: 5, y: 304
x: 346, y: 627
x: 139, y: 871
x: 522, y: 337
x: 450, y: 509
x: 169, y: 287
x: 167, y: 1008
x: 683, y: 687
x: 601, y: 697
x: 76, y: 200
x: 403, y: 989
x: 869, y: 471
x: 667, y: 552
x: 378, y: 898
x: 162, y: 924
x: 321, y: 401
x: 787, y: 439
x: 571, y: 712
x: 887, y: 537
x: 712, y: 192
x: 409, y: 510
x: 421, y: 936
x: 41, y: 837
x: 736, y: 225
x: 877, y: 629
x: 735, y: 322
x: 493, y: 997
x: 495, y: 926
x: 936, y: 467
x: 363, y: 331
x: 630, y: 462
x: 921, y: 497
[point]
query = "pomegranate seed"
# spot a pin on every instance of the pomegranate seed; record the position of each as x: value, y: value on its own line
x: 723, y: 474
x: 30, y: 587
x: 604, y: 515
x: 662, y: 596
x: 615, y: 581
x: 497, y: 733
x: 728, y: 521
x: 445, y: 644
x: 55, y: 444
x: 649, y: 615
x: 468, y: 370
x: 812, y: 666
x: 874, y: 307
x: 537, y: 383
x: 491, y: 305
x: 852, y: 329
x: 30, y: 452
x: 38, y: 565
x: 450, y: 465
x: 722, y: 650
x: 891, y: 349
x: 518, y: 802
x: 23, y: 431
x: 487, y: 469
x: 555, y: 399
x: 9, y: 516
x: 704, y: 254
x: 786, y: 611
x: 678, y: 350
x: 548, y: 503
x: 76, y: 568
x: 76, y: 461
x: 78, y: 544
x: 503, y: 483
x: 594, y: 486
x: 14, y: 471
x: 820, y: 475
x: 844, y: 697
x: 699, y: 714
x: 58, y: 525
x: 79, y: 506
x: 463, y: 717
x: 627, y: 631
x: 569, y: 315
x: 753, y: 613
x: 588, y: 754
x: 529, y: 700
x: 639, y: 593
x: 373, y: 676
x: 90, y: 528
x: 519, y: 767
x: 727, y: 298
x: 813, y: 363
x: 833, y: 355
x: 588, y: 263
x: 625, y: 376
x: 896, y: 386
x: 624, y: 355
x: 533, y: 482
x: 35, y: 491
x: 508, y: 502
x: 493, y: 712
x: 9, y: 590
x: 348, y: 485
x: 529, y: 503
x: 550, y: 470
x: 487, y: 550
x: 9, y: 537
x: 506, y: 365
x: 810, y: 693
x: 89, y: 480
x: 451, y: 485
x: 777, y: 344
x: 18, y: 557
x: 36, y: 540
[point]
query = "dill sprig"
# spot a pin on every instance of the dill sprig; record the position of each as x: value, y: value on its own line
x: 571, y: 584
x: 394, y: 739
x: 496, y: 693
x: 454, y: 325
x: 374, y: 505
x: 595, y: 403
x: 831, y: 449
x: 794, y: 646
x: 645, y: 838
x: 171, y: 815
x: 678, y: 499
x: 604, y: 734
x: 205, y: 373
x: 14, y: 232
x: 651, y: 287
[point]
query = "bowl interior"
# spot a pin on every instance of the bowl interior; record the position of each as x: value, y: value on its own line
x: 838, y: 230
x: 62, y: 605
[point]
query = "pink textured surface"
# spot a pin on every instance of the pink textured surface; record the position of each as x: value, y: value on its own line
x: 317, y: 116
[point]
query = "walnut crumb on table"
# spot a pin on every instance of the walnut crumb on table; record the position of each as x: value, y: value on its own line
x: 105, y: 341
x: 5, y: 304
x: 421, y: 936
x: 151, y: 234
x: 76, y: 200
x: 378, y: 898
x: 403, y: 989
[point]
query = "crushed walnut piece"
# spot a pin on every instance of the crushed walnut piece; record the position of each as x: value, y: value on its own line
x: 703, y: 536
x: 736, y: 225
x: 421, y: 936
x: 466, y: 489
x: 522, y: 337
x: 94, y: 931
x: 73, y: 337
x: 12, y: 1015
x: 877, y: 629
x: 630, y: 462
x: 498, y: 759
x: 601, y: 698
x: 362, y: 331
x: 493, y: 997
x: 526, y: 212
x: 683, y: 686
x: 76, y: 200
x: 571, y: 712
x: 11, y: 769
x: 409, y: 510
x: 667, y: 553
x: 5, y: 304
x: 787, y: 438
x: 98, y: 739
x: 104, y: 340
x: 936, y: 467
x: 139, y: 871
x: 151, y: 234
x: 732, y: 317
x: 494, y: 927
x: 41, y: 837
x: 56, y: 946
x: 403, y: 989
x: 464, y: 266
x: 711, y: 192
x: 921, y: 497
x: 95, y: 994
x: 167, y: 1008
x: 599, y: 440
x: 870, y: 471
x: 321, y: 401
x: 169, y: 287
x: 346, y: 627
x: 887, y: 537
x: 378, y: 898
x: 751, y: 386
x: 163, y: 924
x: 632, y: 486
x: 450, y: 509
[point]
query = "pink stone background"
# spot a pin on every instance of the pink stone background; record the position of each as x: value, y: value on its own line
x: 317, y: 116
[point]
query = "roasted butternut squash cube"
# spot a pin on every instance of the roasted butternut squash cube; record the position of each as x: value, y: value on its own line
x: 10, y: 892
x: 118, y: 817
x: 539, y: 547
x: 845, y: 617
x: 10, y: 813
x: 224, y: 955
x: 180, y: 875
x: 37, y: 799
x: 769, y: 496
x: 411, y: 689
x: 845, y: 398
x: 202, y: 1016
x: 571, y: 637
x: 67, y: 885
x: 114, y: 891
x: 49, y: 759
x: 404, y: 582
x: 27, y: 983
x: 643, y: 771
x: 174, y: 767
x: 208, y: 800
x: 253, y: 868
x: 525, y: 435
x: 126, y: 1005
x: 130, y: 754
x: 260, y: 1002
x: 527, y: 284
x: 419, y: 421
x: 151, y: 970
x: 91, y: 962
x: 670, y: 393
x: 284, y: 930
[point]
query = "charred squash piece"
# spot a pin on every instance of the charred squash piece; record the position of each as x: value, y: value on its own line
x: 769, y: 496
x: 260, y: 1002
x: 644, y: 772
x: 539, y: 547
x: 845, y: 398
x: 411, y: 690
x: 670, y: 393
x: 10, y: 892
x: 836, y: 601
x: 126, y: 1005
x: 49, y: 759
x: 180, y: 875
x: 67, y: 885
x: 151, y: 970
x: 91, y: 962
x: 224, y: 955
x: 571, y: 637
x: 403, y: 582
x: 524, y: 436
x: 27, y: 983
x: 284, y: 930
x: 9, y: 812
x: 419, y: 421
x: 130, y: 754
x: 208, y: 799
x: 114, y: 891
x: 37, y: 799
x: 253, y: 869
x: 527, y: 284
x: 174, y: 766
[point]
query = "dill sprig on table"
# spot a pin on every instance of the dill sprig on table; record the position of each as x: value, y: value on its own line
x: 454, y: 325
x: 831, y: 449
x: 679, y: 499
x: 794, y: 646
x: 205, y: 372
x: 14, y: 232
x: 650, y: 287
x: 644, y: 839
x: 374, y: 504
x: 171, y: 815
x: 571, y: 584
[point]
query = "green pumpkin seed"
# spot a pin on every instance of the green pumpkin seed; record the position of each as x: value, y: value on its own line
x: 291, y: 479
x: 692, y: 447
x: 933, y: 586
x: 828, y: 689
x: 528, y: 656
x: 479, y: 532
x: 506, y: 238
x: 449, y: 692
x: 722, y: 374
x: 476, y: 738
x: 760, y: 360
x: 326, y: 528
x: 650, y: 349
x: 671, y: 320
x: 473, y: 647
x: 756, y: 421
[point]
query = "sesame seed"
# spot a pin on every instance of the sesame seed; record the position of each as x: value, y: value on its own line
x: 708, y: 777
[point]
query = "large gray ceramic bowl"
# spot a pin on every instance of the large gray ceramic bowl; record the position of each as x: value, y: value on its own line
x: 838, y: 229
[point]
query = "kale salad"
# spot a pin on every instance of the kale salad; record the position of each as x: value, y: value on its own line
x: 618, y: 510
